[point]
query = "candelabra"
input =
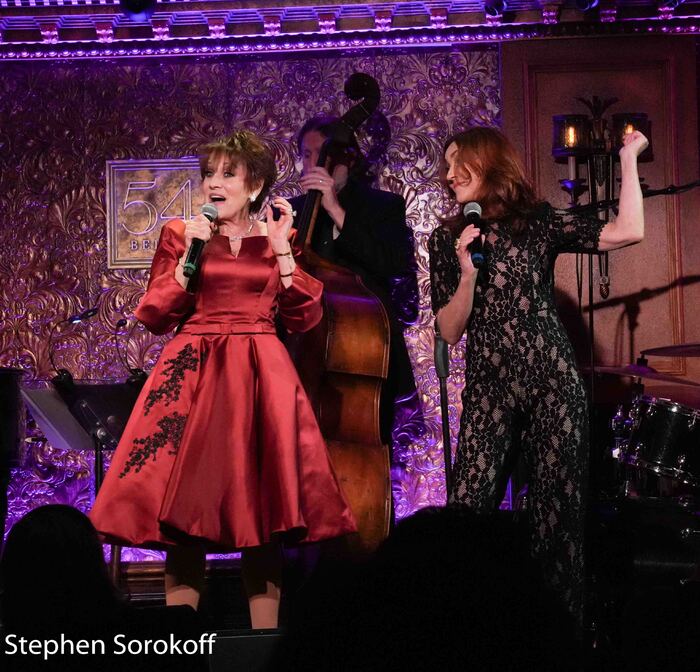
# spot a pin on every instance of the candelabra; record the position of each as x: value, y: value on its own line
x: 594, y: 143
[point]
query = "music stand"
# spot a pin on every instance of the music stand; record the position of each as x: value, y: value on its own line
x: 101, y: 409
x: 86, y: 417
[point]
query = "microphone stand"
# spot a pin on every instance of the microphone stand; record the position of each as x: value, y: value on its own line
x: 97, y: 413
x: 442, y: 369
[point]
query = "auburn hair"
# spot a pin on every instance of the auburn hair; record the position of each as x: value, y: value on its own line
x: 243, y: 147
x: 506, y: 191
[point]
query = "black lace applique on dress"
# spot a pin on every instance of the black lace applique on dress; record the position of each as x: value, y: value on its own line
x: 171, y: 430
x: 174, y: 373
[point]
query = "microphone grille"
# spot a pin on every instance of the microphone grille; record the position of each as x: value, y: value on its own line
x: 210, y: 212
x: 471, y: 207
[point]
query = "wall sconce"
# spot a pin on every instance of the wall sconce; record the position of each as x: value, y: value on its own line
x: 571, y: 140
x: 582, y: 138
x: 590, y: 140
x: 624, y: 123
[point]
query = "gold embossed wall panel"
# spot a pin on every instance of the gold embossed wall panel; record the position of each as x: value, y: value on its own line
x: 61, y: 123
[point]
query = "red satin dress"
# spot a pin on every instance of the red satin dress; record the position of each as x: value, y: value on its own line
x: 222, y: 446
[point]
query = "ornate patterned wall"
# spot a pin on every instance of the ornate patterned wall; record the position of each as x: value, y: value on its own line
x: 61, y: 122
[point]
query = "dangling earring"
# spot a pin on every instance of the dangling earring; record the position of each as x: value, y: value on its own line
x: 253, y: 197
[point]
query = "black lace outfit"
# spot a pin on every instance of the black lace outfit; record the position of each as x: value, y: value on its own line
x: 522, y: 388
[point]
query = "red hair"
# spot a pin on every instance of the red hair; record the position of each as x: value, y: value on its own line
x: 506, y: 191
x: 246, y: 148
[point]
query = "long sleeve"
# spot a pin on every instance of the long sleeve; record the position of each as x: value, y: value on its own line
x: 165, y: 303
x: 299, y: 305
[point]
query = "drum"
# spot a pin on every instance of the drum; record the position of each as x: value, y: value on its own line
x: 665, y: 438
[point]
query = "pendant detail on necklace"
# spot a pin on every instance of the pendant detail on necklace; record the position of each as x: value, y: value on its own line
x: 235, y: 240
x: 245, y: 234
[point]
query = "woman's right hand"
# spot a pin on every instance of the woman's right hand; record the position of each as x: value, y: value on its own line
x: 469, y: 234
x: 198, y: 227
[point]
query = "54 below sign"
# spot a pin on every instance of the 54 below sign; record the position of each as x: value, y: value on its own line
x: 142, y: 195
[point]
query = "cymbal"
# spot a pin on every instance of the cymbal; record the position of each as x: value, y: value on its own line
x: 680, y: 350
x: 637, y: 371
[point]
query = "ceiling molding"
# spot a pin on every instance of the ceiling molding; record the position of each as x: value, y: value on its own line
x: 66, y: 29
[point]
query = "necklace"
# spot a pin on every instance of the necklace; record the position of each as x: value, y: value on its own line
x: 245, y: 234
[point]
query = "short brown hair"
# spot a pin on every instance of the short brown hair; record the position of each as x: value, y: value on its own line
x: 247, y: 148
x: 507, y: 192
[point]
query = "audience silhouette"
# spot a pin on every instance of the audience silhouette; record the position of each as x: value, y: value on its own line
x: 448, y: 590
x: 55, y: 586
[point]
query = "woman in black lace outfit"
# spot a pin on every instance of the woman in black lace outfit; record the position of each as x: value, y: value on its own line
x: 522, y: 388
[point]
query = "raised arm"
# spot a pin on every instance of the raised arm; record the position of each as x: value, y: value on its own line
x: 628, y: 226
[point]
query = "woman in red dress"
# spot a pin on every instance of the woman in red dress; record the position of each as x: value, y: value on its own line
x: 222, y: 450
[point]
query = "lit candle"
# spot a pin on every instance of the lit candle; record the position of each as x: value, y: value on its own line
x: 570, y: 137
x: 629, y: 128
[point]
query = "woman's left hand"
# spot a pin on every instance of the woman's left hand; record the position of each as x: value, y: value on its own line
x: 278, y: 230
x: 633, y: 144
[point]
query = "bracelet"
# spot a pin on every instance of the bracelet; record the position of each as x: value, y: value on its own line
x: 288, y: 253
x: 287, y: 275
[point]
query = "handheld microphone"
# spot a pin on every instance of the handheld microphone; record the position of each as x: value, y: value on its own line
x: 472, y: 213
x: 191, y: 264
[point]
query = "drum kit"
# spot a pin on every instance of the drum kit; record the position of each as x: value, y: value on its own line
x: 651, y: 504
x: 658, y: 436
x: 644, y: 523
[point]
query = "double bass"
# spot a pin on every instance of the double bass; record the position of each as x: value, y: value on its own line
x: 343, y: 362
